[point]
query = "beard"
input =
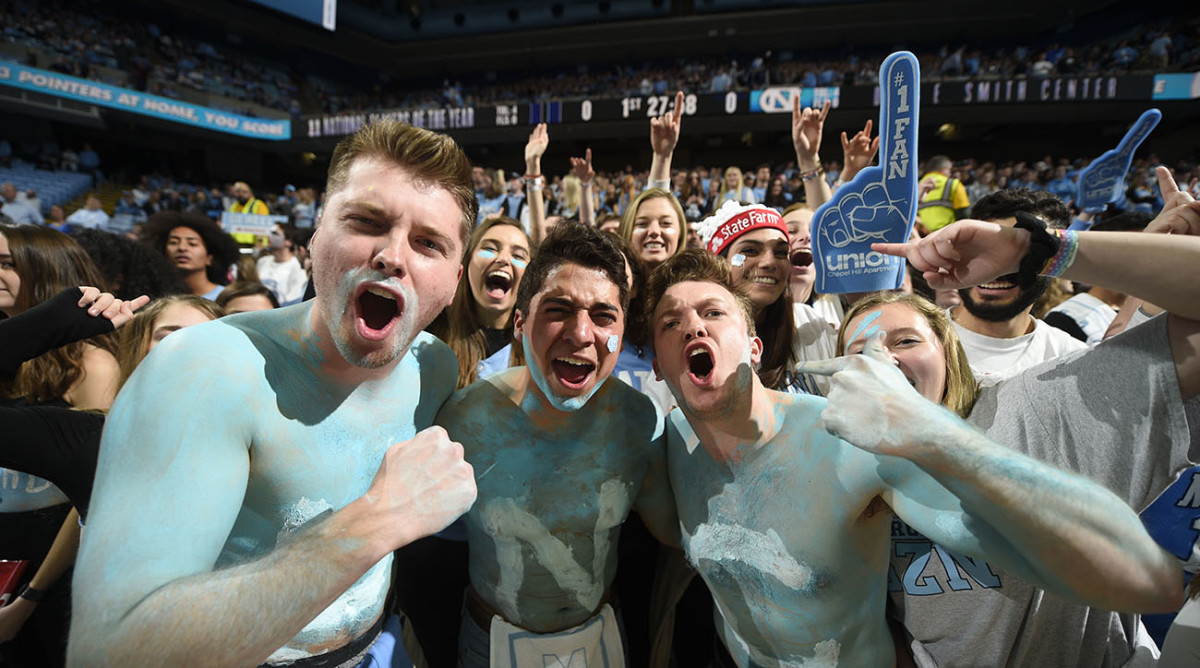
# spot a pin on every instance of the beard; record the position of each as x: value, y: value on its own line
x: 997, y: 311
x: 342, y: 330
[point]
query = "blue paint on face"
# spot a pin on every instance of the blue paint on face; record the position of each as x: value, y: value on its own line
x: 863, y: 330
x: 519, y: 263
x: 486, y: 254
x: 565, y: 404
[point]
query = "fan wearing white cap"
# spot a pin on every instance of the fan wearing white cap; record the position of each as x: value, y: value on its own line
x: 754, y: 239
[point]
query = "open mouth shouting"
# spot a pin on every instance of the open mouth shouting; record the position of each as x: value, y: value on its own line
x: 379, y: 310
x: 700, y: 363
x: 498, y: 284
x: 573, y: 372
x: 801, y: 259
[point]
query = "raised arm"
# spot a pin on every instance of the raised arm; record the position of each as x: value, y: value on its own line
x: 664, y: 135
x: 1153, y: 267
x: 857, y: 152
x: 535, y: 181
x: 71, y: 315
x: 582, y: 167
x: 807, y: 126
x: 949, y: 481
x: 173, y: 472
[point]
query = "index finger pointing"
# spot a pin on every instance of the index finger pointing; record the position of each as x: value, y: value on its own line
x: 899, y: 250
x: 823, y: 367
x: 678, y: 106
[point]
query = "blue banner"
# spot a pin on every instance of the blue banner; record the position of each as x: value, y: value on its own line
x: 880, y: 203
x: 320, y: 12
x: 137, y: 102
x: 1103, y: 181
x: 778, y: 100
x: 1177, y: 86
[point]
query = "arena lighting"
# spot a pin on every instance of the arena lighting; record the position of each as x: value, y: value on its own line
x: 947, y: 131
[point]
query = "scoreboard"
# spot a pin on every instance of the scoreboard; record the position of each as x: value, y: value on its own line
x: 773, y: 100
x: 527, y: 114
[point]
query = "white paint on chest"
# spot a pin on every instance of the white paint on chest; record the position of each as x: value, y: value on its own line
x: 513, y: 525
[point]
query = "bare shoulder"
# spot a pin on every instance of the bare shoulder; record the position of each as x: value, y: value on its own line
x: 633, y: 409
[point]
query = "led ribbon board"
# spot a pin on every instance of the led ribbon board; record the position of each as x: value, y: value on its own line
x: 144, y: 104
x: 880, y: 203
x: 1103, y: 181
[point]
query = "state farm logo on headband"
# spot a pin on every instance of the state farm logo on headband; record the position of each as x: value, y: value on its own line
x: 733, y: 220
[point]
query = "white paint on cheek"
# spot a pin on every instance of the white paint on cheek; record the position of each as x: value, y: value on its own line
x: 613, y: 342
x: 737, y: 260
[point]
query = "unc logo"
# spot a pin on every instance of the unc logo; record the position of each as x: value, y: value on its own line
x: 777, y: 100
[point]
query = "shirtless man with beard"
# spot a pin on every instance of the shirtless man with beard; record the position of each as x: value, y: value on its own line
x: 257, y: 473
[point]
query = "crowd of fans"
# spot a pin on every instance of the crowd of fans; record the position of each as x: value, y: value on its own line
x: 106, y: 47
x: 177, y: 247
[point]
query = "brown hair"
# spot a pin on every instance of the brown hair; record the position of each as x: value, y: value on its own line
x: 626, y: 229
x: 694, y: 264
x: 137, y: 335
x: 246, y: 289
x: 48, y: 262
x: 459, y: 324
x: 433, y: 158
x: 961, y: 389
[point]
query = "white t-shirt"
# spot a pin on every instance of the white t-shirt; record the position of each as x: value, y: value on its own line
x: 88, y: 218
x: 286, y: 279
x: 1092, y: 315
x: 814, y: 339
x: 993, y: 360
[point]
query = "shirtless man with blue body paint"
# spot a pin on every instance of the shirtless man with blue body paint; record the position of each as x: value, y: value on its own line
x: 789, y: 525
x: 563, y: 453
x: 257, y: 472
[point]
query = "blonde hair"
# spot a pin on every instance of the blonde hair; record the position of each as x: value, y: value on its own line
x: 138, y: 334
x: 741, y: 184
x: 625, y: 231
x: 961, y: 390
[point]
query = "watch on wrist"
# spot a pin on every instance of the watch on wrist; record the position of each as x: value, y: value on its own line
x: 1042, y: 246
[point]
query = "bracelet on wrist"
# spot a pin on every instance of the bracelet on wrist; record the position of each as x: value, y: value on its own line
x: 812, y: 173
x: 1050, y: 253
x: 1068, y: 246
x: 32, y: 595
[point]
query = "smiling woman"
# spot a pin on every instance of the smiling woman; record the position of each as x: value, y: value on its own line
x: 478, y: 323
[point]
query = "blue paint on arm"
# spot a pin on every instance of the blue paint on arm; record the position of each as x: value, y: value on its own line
x: 173, y: 469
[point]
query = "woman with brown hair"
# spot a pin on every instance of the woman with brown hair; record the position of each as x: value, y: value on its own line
x: 755, y: 241
x: 36, y: 263
x: 478, y: 323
